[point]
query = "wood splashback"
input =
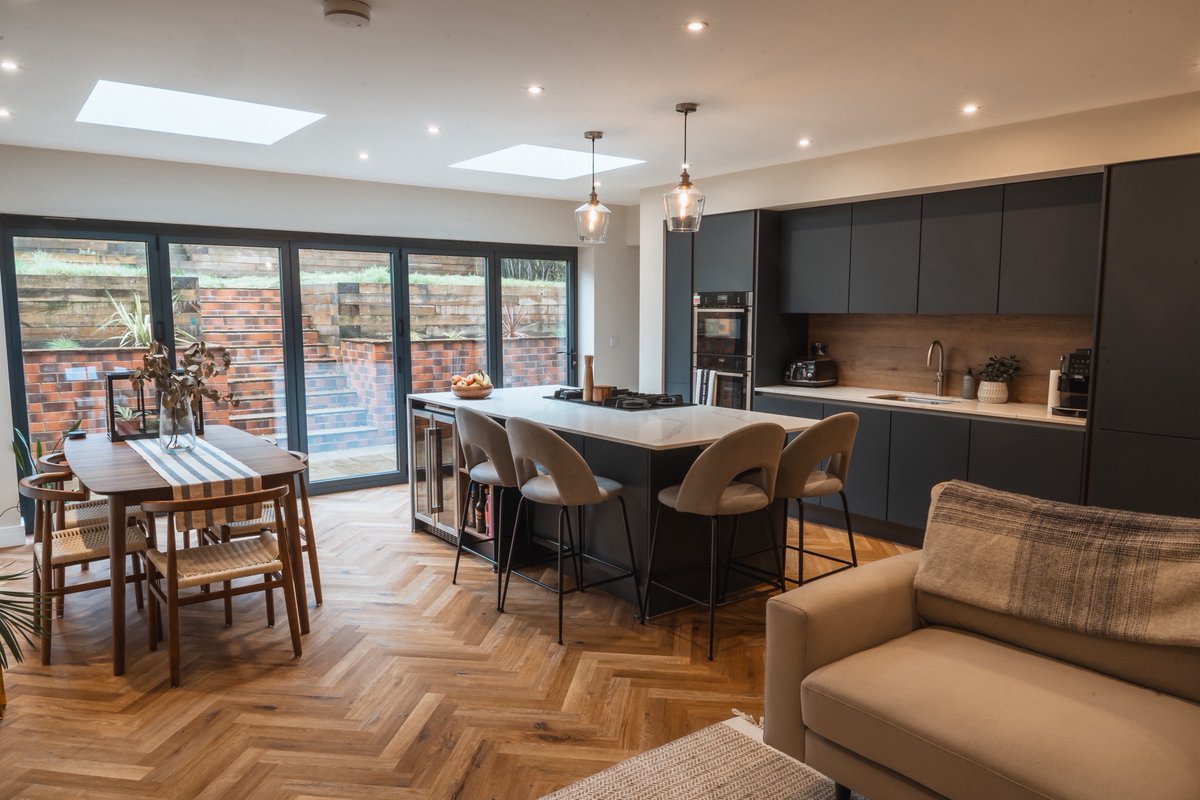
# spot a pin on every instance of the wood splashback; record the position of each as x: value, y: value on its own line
x: 887, y: 351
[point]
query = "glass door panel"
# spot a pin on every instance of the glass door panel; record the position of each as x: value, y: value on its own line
x: 84, y: 310
x: 229, y: 295
x: 447, y: 318
x: 534, y: 320
x: 349, y: 368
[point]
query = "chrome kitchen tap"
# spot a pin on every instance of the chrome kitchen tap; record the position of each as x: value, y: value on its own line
x: 941, y: 366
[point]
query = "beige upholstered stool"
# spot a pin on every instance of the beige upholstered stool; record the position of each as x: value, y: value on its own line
x: 735, y: 475
x: 564, y: 480
x: 489, y: 462
x: 830, y: 441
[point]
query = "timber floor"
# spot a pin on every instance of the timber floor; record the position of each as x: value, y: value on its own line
x: 409, y: 687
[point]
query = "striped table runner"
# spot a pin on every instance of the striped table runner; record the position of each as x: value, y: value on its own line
x: 205, y: 471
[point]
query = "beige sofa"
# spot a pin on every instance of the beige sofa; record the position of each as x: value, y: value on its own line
x: 899, y: 693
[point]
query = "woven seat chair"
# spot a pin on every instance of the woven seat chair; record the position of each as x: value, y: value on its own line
x: 220, y: 562
x: 268, y: 522
x: 55, y: 549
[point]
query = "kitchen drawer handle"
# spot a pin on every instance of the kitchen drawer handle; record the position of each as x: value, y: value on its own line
x: 441, y: 496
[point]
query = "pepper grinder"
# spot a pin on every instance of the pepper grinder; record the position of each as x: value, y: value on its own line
x: 589, y: 382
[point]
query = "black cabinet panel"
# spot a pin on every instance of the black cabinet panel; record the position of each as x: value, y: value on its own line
x: 816, y: 260
x: 1029, y: 459
x: 960, y: 251
x: 1138, y: 472
x: 885, y: 255
x: 1150, y: 306
x: 792, y: 407
x: 925, y: 450
x: 724, y: 257
x: 1049, y: 258
x: 867, y: 483
x: 677, y: 352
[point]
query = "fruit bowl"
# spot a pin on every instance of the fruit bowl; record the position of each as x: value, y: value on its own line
x: 471, y: 392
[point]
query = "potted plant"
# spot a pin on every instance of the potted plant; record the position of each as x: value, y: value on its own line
x: 181, y: 391
x: 20, y: 621
x: 995, y: 377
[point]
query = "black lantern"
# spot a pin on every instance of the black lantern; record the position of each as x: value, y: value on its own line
x: 128, y: 417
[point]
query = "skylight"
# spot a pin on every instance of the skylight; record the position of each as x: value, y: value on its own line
x: 127, y: 105
x: 544, y: 162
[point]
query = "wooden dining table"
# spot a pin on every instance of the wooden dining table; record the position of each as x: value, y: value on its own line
x: 116, y: 470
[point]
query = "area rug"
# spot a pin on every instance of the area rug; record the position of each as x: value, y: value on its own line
x: 726, y: 761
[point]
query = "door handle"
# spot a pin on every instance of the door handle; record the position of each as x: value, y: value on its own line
x: 441, y: 489
x: 428, y: 471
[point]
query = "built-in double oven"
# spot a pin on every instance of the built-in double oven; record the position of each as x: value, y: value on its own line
x: 722, y: 348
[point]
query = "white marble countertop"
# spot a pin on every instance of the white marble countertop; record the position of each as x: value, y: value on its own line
x: 1025, y: 412
x: 653, y: 429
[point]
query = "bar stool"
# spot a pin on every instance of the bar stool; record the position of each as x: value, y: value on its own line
x: 564, y: 480
x: 489, y: 462
x: 830, y: 441
x: 735, y: 475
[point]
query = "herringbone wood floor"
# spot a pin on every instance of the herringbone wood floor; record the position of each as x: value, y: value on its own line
x: 408, y: 687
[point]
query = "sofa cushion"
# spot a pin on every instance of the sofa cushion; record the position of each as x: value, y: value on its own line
x: 968, y: 716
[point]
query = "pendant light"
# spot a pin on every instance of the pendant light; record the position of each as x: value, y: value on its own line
x: 591, y: 218
x: 685, y: 203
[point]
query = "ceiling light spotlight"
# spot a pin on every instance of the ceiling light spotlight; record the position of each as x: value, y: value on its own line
x: 5, y: 113
x: 348, y: 13
x: 363, y: 156
x: 535, y: 89
x: 592, y: 218
x: 697, y: 25
x: 805, y: 142
x: 970, y: 108
x: 9, y: 66
x: 684, y: 204
x: 433, y: 129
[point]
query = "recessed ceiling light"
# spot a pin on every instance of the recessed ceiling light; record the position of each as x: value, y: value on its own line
x: 535, y: 89
x: 544, y: 162
x: 805, y: 142
x: 433, y: 129
x: 5, y: 113
x: 363, y: 156
x: 127, y: 105
x: 697, y: 25
x: 970, y: 108
x: 9, y: 66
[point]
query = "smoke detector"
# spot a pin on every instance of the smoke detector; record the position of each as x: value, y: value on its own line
x: 348, y: 13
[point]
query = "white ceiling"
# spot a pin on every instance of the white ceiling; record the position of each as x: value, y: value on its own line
x: 848, y: 74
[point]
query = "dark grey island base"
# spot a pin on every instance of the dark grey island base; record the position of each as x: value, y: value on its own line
x: 646, y: 451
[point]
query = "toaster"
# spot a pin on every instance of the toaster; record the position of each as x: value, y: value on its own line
x: 811, y: 372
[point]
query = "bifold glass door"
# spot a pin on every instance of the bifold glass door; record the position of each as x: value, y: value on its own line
x: 535, y: 320
x: 447, y: 318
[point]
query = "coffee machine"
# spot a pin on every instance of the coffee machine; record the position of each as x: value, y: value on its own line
x: 1074, y: 381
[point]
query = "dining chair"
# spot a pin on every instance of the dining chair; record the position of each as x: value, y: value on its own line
x: 268, y: 522
x: 56, y: 548
x: 734, y: 475
x: 170, y: 572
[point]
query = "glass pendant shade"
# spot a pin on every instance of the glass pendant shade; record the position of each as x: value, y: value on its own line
x: 684, y: 205
x: 591, y: 219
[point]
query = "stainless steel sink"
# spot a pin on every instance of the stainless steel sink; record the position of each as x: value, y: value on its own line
x: 914, y: 398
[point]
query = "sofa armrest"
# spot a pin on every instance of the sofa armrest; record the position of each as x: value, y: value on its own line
x: 825, y: 621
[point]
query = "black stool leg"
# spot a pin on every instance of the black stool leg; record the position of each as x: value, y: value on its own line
x: 575, y: 559
x: 779, y: 562
x: 497, y: 540
x: 563, y: 514
x: 650, y: 566
x: 637, y: 587
x: 849, y: 531
x: 729, y: 560
x: 512, y: 545
x: 800, y: 549
x: 712, y: 583
x: 462, y: 526
x: 579, y: 555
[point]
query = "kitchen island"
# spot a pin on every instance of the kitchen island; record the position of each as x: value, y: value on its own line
x: 645, y: 450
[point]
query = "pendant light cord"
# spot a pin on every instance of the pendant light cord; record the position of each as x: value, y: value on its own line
x: 685, y: 161
x: 593, y: 166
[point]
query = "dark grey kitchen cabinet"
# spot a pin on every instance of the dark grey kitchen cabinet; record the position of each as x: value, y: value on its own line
x: 1050, y: 251
x: 885, y: 253
x: 867, y: 482
x: 677, y: 345
x: 1036, y: 460
x: 926, y: 449
x: 1141, y: 472
x: 815, y: 245
x: 788, y: 406
x: 960, y: 251
x: 1147, y: 370
x: 724, y: 253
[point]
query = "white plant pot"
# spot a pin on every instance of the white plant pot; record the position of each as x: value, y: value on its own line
x: 993, y: 392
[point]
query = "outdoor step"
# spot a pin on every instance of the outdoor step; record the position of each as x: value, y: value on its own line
x: 232, y: 336
x: 344, y: 416
x: 252, y: 353
x: 335, y: 433
x: 314, y: 400
x: 261, y: 384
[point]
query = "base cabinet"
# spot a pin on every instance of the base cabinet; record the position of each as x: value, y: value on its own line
x: 926, y: 450
x: 1029, y: 459
x: 1143, y: 472
x: 867, y: 482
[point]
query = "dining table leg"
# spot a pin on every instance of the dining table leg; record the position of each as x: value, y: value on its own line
x: 293, y: 544
x: 117, y: 522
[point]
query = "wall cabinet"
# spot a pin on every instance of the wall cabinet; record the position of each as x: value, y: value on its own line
x: 724, y: 253
x: 1050, y: 251
x: 926, y: 449
x: 677, y: 345
x: 885, y: 252
x: 960, y: 251
x: 815, y: 245
x: 1035, y: 460
x: 867, y: 482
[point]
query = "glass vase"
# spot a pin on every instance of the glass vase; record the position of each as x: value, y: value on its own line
x: 176, y: 429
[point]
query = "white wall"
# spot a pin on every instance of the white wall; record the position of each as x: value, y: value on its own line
x: 1070, y: 143
x: 67, y: 184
